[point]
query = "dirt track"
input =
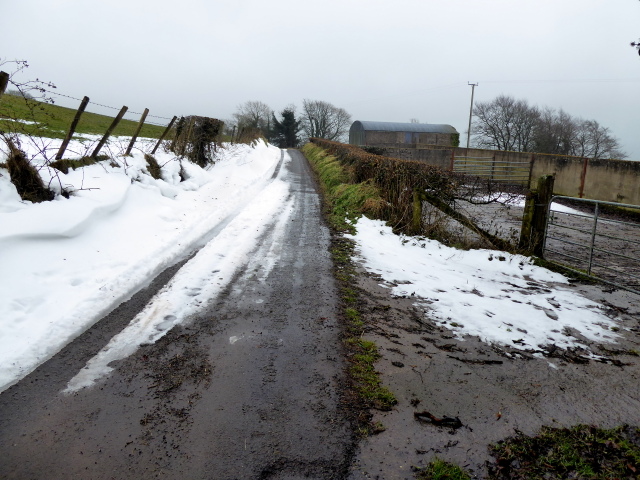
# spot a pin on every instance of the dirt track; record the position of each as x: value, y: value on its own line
x: 250, y: 389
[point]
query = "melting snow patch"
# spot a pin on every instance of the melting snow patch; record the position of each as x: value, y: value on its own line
x: 499, y: 297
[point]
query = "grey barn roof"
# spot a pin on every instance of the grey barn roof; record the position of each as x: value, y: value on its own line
x: 402, y: 127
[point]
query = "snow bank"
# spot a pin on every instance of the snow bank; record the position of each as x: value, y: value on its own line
x: 64, y: 264
x: 496, y: 296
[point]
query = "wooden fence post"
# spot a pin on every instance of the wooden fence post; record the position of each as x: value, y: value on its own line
x: 164, y: 134
x: 416, y: 217
x: 583, y: 175
x: 137, y: 132
x: 527, y: 221
x: 545, y: 192
x: 534, y: 220
x: 4, y: 81
x: 107, y: 134
x: 188, y: 137
x: 72, y: 128
x: 233, y: 133
x: 531, y: 165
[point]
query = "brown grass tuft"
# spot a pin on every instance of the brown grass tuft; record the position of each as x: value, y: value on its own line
x: 25, y: 177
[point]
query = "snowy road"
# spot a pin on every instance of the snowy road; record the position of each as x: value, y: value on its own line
x: 238, y: 374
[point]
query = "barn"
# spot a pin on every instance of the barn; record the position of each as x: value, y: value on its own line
x: 387, y: 134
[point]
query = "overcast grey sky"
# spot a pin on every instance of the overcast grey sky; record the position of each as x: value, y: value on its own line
x: 387, y: 60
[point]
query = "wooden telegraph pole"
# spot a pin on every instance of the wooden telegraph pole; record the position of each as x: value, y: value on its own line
x: 473, y: 89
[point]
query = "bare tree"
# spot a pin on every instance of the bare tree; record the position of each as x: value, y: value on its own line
x: 554, y: 132
x: 323, y: 120
x: 525, y: 121
x: 504, y: 124
x: 508, y: 124
x: 253, y: 114
x: 592, y: 140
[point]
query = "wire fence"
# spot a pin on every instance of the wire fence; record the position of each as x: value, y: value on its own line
x: 130, y: 113
x: 47, y: 96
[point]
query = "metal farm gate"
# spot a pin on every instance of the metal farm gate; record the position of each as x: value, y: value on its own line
x: 501, y: 171
x: 601, y: 244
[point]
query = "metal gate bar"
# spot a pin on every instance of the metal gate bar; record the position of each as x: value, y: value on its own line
x: 629, y: 277
x: 503, y: 171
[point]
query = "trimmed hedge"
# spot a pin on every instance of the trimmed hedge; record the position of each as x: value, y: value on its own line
x: 395, y: 179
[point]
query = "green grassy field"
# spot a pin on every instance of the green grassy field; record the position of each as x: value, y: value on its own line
x: 53, y: 121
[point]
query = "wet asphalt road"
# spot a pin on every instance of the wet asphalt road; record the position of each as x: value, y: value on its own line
x: 250, y: 389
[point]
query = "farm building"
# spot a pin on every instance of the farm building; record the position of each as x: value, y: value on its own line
x: 389, y: 134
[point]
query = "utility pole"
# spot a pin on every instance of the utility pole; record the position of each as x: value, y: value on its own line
x: 473, y: 87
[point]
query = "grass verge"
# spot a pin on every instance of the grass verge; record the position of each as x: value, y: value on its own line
x: 53, y: 121
x: 441, y: 470
x: 583, y: 452
x: 571, y: 273
x: 344, y: 202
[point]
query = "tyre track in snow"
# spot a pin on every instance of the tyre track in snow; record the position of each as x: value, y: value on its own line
x: 50, y: 376
x: 247, y: 388
x: 125, y: 295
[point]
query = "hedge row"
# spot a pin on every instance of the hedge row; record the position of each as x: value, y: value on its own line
x: 396, y: 179
x: 195, y: 138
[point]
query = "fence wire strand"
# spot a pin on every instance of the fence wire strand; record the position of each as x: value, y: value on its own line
x: 107, y: 106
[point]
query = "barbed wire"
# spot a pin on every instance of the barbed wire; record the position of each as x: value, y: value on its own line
x: 107, y: 106
x: 155, y: 124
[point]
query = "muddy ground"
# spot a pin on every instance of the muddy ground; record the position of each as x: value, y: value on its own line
x: 494, y: 391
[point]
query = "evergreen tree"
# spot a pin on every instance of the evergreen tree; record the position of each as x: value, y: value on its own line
x: 286, y: 130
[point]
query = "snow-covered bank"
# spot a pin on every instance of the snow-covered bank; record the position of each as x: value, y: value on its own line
x: 66, y: 263
x: 496, y: 296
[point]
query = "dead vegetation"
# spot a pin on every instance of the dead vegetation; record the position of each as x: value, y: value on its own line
x: 25, y: 176
x: 66, y: 164
x: 153, y: 167
x: 197, y: 139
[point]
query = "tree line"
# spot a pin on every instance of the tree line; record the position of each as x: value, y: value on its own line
x: 318, y: 119
x: 513, y: 125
